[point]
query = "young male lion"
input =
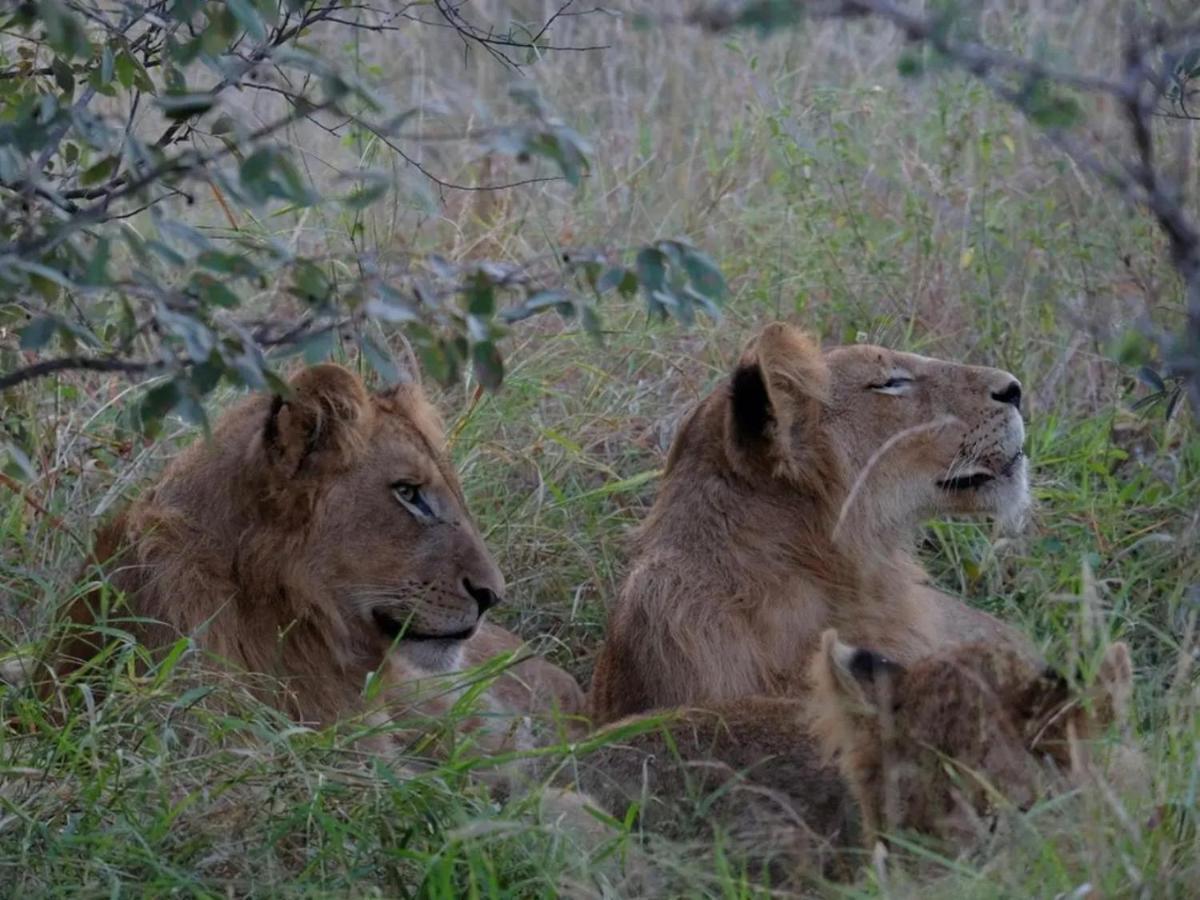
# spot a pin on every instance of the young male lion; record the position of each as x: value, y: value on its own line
x: 309, y: 538
x: 941, y: 748
x: 790, y: 503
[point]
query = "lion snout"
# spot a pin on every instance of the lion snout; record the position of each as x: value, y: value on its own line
x: 485, y: 598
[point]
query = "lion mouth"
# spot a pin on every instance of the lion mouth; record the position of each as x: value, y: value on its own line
x: 974, y: 480
x: 395, y: 628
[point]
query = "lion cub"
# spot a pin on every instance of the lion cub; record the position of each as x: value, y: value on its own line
x: 940, y: 747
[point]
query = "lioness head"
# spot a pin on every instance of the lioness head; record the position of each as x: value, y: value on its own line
x: 902, y: 435
x: 941, y: 746
x: 387, y: 531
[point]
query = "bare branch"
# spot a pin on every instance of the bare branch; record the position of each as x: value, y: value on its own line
x: 80, y: 364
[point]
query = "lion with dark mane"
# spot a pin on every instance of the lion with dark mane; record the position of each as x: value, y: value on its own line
x: 315, y: 539
x: 790, y: 504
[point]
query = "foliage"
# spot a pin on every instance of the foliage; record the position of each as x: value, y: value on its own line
x: 1158, y: 77
x: 118, y: 118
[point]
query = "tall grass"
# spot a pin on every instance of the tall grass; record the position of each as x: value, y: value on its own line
x: 835, y: 193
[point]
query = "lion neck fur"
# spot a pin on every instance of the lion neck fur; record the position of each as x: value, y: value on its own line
x: 767, y: 530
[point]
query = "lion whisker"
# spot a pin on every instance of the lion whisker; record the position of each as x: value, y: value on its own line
x: 876, y: 457
x: 961, y: 464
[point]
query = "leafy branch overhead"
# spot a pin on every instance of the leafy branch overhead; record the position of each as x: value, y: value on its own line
x: 1154, y: 84
x: 120, y: 120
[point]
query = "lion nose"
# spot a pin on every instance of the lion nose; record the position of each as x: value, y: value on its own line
x: 485, y: 598
x: 1010, y: 395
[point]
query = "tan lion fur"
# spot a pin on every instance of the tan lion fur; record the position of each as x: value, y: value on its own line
x: 941, y: 748
x: 277, y: 544
x: 942, y: 745
x: 790, y: 503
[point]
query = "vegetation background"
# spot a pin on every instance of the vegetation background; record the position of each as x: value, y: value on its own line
x: 832, y: 190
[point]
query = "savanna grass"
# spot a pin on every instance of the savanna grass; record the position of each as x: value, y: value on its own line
x: 833, y: 192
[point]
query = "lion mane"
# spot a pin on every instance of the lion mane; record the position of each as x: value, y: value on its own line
x: 317, y: 538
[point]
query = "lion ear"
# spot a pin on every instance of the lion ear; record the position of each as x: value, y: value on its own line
x: 849, y: 713
x: 849, y: 686
x: 780, y: 383
x: 851, y: 676
x: 318, y: 427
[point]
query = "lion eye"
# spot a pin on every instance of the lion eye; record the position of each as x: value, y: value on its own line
x: 897, y: 384
x: 409, y: 496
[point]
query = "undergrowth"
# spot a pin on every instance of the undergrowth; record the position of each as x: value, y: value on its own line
x: 833, y: 193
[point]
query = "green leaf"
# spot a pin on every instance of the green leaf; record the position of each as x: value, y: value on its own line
x: 155, y: 405
x: 1049, y: 108
x: 389, y: 306
x: 207, y: 375
x: 911, y: 64
x: 590, y: 319
x: 64, y: 77
x: 311, y: 284
x: 21, y: 460
x: 97, y: 270
x: 481, y: 296
x: 125, y: 69
x: 379, y: 358
x: 318, y: 347
x: 228, y: 263
x: 613, y: 277
x: 198, y: 339
x: 268, y: 173
x: 1132, y: 348
x: 190, y: 409
x: 101, y: 171
x: 705, y: 276
x: 565, y: 148
x: 363, y: 196
x: 436, y: 361
x: 487, y: 365
x: 165, y: 252
x: 63, y: 30
x: 629, y: 284
x: 651, y: 268
x: 651, y: 265
x: 538, y: 303
x: 37, y: 334
x: 213, y: 293
x: 1151, y: 379
x: 248, y: 18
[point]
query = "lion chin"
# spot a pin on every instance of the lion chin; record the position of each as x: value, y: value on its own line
x: 317, y: 539
x: 791, y: 503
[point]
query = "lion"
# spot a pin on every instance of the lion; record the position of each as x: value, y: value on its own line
x: 317, y: 538
x: 942, y: 747
x: 790, y: 503
x: 805, y: 786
